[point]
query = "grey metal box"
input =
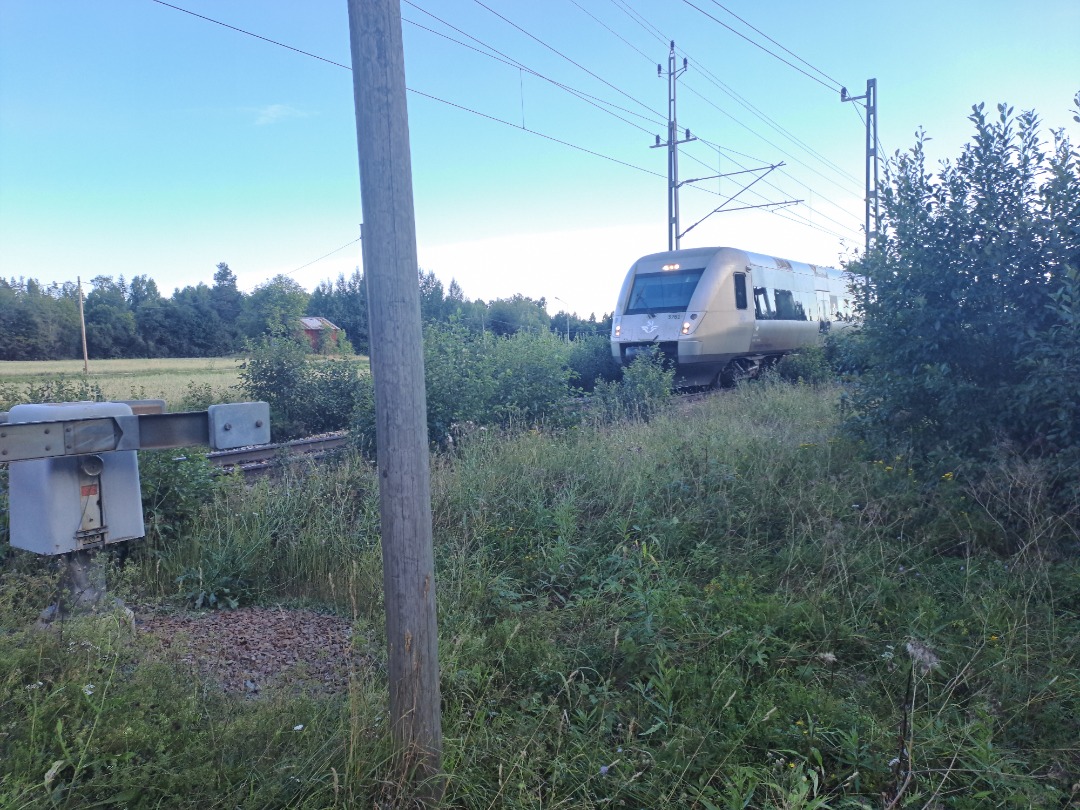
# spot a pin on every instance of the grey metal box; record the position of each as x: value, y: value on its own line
x: 70, y: 503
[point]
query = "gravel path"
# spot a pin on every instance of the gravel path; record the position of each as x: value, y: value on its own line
x: 249, y: 649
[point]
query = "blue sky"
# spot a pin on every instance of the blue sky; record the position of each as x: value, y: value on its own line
x: 135, y: 138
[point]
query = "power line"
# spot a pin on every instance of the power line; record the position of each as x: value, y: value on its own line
x: 250, y: 34
x: 788, y: 174
x: 649, y: 28
x: 774, y: 42
x: 425, y: 95
x: 762, y: 47
x: 485, y: 115
x: 782, y: 130
x: 604, y: 25
x: 780, y: 149
x: 324, y: 256
x: 567, y: 58
x: 505, y: 59
x: 537, y: 133
x: 653, y: 31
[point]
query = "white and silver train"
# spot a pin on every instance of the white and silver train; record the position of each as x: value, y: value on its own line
x: 721, y: 313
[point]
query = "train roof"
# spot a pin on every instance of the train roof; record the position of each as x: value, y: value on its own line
x: 754, y: 259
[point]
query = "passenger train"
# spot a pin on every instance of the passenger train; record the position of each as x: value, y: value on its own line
x: 721, y: 313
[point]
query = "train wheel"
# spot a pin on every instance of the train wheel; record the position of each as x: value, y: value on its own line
x: 732, y: 374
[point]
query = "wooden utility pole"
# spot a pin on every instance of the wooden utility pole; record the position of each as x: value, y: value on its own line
x: 82, y: 323
x: 397, y: 363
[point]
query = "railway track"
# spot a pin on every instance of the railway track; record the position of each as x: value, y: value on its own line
x: 263, y: 459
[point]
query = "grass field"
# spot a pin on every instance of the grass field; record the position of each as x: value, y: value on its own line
x: 183, y: 382
x: 170, y: 379
x: 724, y: 607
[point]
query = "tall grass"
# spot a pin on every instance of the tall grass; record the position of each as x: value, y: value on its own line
x: 722, y: 607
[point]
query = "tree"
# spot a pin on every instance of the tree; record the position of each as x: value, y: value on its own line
x: 974, y: 288
x: 146, y: 304
x: 509, y: 315
x: 37, y: 322
x: 274, y: 307
x: 432, y: 304
x: 228, y: 303
x: 110, y: 323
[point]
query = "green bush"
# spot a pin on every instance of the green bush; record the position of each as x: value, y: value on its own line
x: 970, y: 337
x: 176, y: 485
x: 307, y: 394
x: 531, y: 379
x: 645, y: 389
x: 517, y: 380
x: 809, y: 365
x: 459, y: 377
x: 591, y: 360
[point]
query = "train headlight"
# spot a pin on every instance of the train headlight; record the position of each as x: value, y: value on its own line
x: 616, y: 330
x: 690, y: 324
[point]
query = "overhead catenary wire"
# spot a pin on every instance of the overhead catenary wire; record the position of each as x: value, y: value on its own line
x: 514, y: 63
x: 777, y: 44
x: 655, y: 32
x: 794, y: 179
x: 423, y: 94
x: 766, y: 50
x: 494, y: 53
x: 712, y: 79
x: 611, y: 31
x: 652, y: 30
x: 559, y: 53
x: 463, y: 107
x: 505, y: 59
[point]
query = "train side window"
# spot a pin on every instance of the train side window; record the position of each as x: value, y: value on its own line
x: 762, y: 307
x: 740, y: 290
x: 786, y: 308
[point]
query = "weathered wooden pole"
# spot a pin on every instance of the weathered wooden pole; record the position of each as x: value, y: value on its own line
x: 397, y: 363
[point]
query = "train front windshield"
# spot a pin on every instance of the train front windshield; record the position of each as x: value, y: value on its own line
x: 666, y: 291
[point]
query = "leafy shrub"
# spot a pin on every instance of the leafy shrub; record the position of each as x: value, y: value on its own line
x: 531, y: 380
x: 175, y: 484
x: 217, y: 588
x: 307, y: 394
x: 521, y: 379
x: 971, y: 329
x: 809, y: 365
x: 200, y: 396
x: 590, y: 360
x: 644, y: 390
x: 459, y: 377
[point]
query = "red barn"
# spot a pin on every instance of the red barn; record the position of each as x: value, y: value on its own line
x: 318, y: 331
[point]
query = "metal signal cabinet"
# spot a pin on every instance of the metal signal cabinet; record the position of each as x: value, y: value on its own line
x: 73, y: 502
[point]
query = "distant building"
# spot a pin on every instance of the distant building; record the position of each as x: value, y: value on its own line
x: 319, y: 331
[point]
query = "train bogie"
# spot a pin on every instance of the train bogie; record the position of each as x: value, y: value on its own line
x: 721, y: 312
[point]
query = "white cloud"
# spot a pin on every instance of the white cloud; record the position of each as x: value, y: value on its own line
x: 273, y: 113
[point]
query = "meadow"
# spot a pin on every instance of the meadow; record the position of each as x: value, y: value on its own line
x: 724, y: 606
x: 184, y: 383
x: 171, y: 379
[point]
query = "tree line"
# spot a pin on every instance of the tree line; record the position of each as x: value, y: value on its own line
x: 131, y: 318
